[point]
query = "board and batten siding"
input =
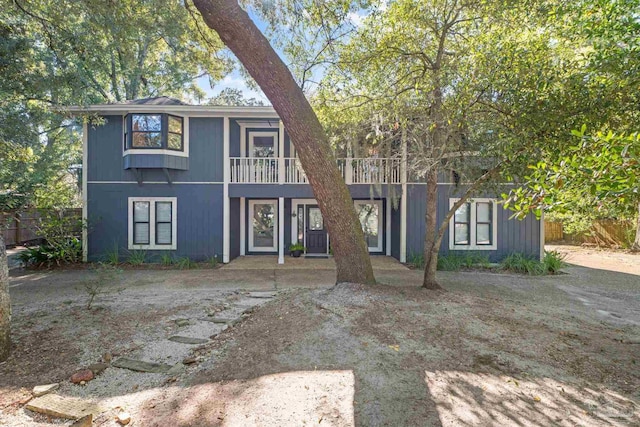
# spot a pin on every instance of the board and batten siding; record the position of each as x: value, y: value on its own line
x: 106, y: 163
x: 514, y: 235
x: 199, y: 191
x: 199, y: 218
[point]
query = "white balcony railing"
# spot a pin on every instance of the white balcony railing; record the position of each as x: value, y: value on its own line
x: 289, y: 170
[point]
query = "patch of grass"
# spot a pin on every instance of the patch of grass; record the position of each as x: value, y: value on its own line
x: 454, y: 261
x: 185, y: 263
x: 137, y: 257
x: 112, y: 257
x: 553, y: 262
x: 416, y: 261
x: 166, y: 259
x: 213, y: 261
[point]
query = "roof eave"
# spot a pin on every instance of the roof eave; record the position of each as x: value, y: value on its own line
x: 191, y: 110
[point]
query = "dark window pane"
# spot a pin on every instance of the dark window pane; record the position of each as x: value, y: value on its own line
x: 483, y: 213
x: 163, y: 211
x: 147, y: 139
x: 147, y: 122
x: 175, y: 141
x: 141, y: 233
x: 163, y: 233
x: 175, y: 124
x: 462, y: 214
x: 483, y: 234
x: 461, y: 234
x: 141, y: 211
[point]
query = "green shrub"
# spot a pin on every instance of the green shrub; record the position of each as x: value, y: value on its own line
x: 112, y: 257
x: 105, y: 279
x: 61, y: 233
x: 137, y: 257
x: 166, y: 259
x: 185, y: 263
x: 455, y: 261
x: 416, y: 261
x: 213, y: 261
x: 520, y: 263
x: 47, y: 255
x: 296, y: 247
x: 553, y: 262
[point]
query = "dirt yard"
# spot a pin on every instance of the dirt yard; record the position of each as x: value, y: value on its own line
x: 494, y: 349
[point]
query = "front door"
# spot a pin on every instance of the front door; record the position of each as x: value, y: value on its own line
x: 316, y: 233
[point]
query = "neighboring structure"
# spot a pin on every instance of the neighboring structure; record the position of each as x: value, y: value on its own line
x: 204, y: 181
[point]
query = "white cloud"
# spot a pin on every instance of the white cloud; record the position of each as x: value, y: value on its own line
x: 235, y: 81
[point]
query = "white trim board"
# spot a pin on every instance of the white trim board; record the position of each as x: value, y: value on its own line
x: 85, y: 197
x: 274, y: 135
x: 472, y: 246
x: 152, y: 223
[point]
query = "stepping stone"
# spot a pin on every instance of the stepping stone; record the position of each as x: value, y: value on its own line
x: 262, y: 294
x: 63, y: 407
x: 141, y: 366
x: 41, y: 390
x: 223, y: 320
x: 187, y: 340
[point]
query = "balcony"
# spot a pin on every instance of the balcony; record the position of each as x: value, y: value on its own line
x: 282, y: 170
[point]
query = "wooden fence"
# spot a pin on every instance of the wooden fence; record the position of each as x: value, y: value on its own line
x: 21, y: 227
x: 602, y: 233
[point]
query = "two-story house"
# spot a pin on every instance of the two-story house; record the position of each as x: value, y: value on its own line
x: 200, y: 181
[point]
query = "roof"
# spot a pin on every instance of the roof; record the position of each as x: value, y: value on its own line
x: 165, y: 104
x: 158, y: 100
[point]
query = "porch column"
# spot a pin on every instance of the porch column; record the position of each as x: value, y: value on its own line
x: 85, y: 177
x: 226, y: 219
x: 280, y: 230
x: 243, y: 224
x: 281, y: 163
x: 403, y: 203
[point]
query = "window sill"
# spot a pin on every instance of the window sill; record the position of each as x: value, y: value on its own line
x: 473, y: 248
x: 152, y: 247
x: 155, y: 151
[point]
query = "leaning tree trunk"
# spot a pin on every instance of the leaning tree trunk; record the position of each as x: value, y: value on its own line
x: 5, y: 304
x: 636, y: 242
x: 431, y: 237
x: 245, y: 40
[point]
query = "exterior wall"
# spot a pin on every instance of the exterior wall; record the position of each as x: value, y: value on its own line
x: 395, y: 232
x: 199, y: 191
x: 512, y: 235
x: 234, y: 225
x: 199, y: 218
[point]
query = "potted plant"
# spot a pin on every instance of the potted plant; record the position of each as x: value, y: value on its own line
x: 296, y: 250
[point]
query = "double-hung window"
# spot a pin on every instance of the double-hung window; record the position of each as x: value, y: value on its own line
x: 152, y: 223
x: 473, y: 226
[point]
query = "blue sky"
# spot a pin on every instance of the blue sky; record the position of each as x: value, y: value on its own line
x: 235, y: 79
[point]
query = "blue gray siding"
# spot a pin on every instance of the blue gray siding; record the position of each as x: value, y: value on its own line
x: 199, y: 218
x: 513, y: 235
x: 234, y: 228
x: 205, y: 163
x: 148, y: 161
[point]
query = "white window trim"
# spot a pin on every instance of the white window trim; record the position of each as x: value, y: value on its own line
x: 380, y: 215
x: 185, y: 141
x: 252, y: 203
x: 253, y: 134
x: 152, y: 223
x: 472, y: 246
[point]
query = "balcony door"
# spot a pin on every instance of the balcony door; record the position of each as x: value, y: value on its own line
x: 263, y: 144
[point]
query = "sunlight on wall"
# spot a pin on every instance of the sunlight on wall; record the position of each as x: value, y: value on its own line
x: 470, y: 399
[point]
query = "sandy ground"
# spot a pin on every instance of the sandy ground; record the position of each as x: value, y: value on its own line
x: 495, y: 349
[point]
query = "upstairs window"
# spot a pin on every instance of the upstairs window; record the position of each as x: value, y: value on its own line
x: 154, y: 131
x: 473, y: 226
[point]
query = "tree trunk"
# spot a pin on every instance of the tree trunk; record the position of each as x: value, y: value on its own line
x: 431, y: 240
x: 636, y: 242
x: 245, y: 40
x: 5, y: 304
